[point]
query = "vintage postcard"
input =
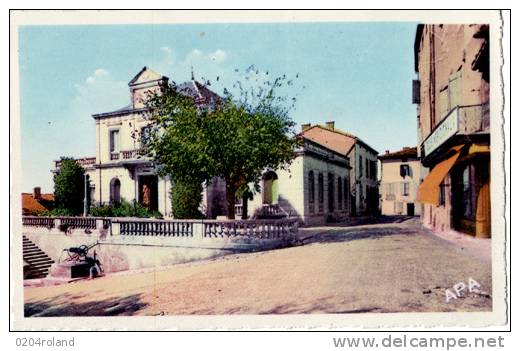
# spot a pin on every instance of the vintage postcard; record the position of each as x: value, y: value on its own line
x: 210, y: 170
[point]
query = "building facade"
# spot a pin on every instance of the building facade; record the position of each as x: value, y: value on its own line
x: 452, y: 97
x: 314, y: 188
x: 364, y: 190
x: 401, y: 174
x: 118, y: 171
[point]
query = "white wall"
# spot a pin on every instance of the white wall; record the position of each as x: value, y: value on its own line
x: 359, y: 179
x: 126, y: 125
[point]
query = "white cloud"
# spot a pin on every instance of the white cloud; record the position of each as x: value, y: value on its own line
x: 166, y: 49
x: 98, y: 74
x: 218, y: 56
x: 100, y: 93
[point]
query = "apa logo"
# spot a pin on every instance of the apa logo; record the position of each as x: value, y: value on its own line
x: 473, y: 286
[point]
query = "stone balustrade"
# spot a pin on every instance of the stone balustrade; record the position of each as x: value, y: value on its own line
x: 92, y: 223
x: 130, y: 154
x: 35, y: 221
x: 144, y: 227
x: 255, y: 228
x: 284, y: 229
x: 239, y: 208
x: 85, y: 161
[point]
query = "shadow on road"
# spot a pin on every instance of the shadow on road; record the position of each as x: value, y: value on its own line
x: 379, y: 220
x: 350, y: 234
x: 63, y: 306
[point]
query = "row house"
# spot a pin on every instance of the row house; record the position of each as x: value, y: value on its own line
x: 314, y: 188
x: 401, y: 174
x: 452, y: 97
x: 363, y: 191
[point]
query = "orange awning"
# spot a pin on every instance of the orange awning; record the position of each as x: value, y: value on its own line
x: 429, y: 189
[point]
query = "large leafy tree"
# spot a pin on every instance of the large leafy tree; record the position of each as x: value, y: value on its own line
x: 235, y: 138
x: 69, y: 187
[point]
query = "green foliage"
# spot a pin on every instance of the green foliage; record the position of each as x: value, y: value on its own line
x: 235, y: 139
x: 101, y: 211
x: 69, y: 187
x: 123, y: 209
x: 58, y: 212
x: 186, y: 198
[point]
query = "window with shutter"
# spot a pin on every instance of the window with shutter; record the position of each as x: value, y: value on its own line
x: 455, y: 90
x: 443, y: 102
x: 416, y: 91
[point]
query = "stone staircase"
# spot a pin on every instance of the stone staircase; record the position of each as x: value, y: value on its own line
x: 36, y: 262
x: 271, y: 211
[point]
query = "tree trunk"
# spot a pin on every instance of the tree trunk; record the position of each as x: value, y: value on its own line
x: 230, y: 198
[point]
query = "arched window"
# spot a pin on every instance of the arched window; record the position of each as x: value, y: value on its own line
x: 311, y: 191
x: 340, y: 194
x: 270, y: 188
x: 115, y: 191
x: 320, y: 192
x: 330, y: 192
x: 346, y: 192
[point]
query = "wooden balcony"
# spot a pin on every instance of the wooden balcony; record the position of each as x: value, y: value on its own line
x: 460, y: 121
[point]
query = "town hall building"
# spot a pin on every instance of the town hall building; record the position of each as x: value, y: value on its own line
x: 315, y: 188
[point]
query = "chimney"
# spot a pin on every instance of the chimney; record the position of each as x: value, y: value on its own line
x: 37, y: 193
x: 330, y: 125
x: 305, y: 126
x: 387, y: 151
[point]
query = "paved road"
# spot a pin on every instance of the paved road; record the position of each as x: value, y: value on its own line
x: 395, y: 266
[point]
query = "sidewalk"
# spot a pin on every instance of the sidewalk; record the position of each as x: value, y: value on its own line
x: 478, y: 248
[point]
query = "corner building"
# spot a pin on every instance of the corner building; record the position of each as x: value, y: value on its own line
x: 453, y: 124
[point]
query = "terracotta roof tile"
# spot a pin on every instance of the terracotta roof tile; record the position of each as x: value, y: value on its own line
x: 32, y: 206
x: 406, y: 152
x: 339, y: 142
x: 335, y: 139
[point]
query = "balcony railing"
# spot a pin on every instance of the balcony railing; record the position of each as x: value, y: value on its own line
x: 461, y: 120
x: 126, y: 155
x: 131, y: 154
x: 85, y: 161
x: 239, y: 208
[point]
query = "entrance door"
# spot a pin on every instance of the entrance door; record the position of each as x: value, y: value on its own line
x: 471, y: 208
x: 148, y: 192
x: 270, y: 188
x: 410, y: 209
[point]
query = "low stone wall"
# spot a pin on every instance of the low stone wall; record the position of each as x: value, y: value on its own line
x: 125, y: 244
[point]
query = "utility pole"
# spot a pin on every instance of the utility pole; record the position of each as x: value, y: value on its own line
x: 85, y: 197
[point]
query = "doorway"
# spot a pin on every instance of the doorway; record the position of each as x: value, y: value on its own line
x: 410, y: 209
x: 270, y: 188
x: 148, y: 192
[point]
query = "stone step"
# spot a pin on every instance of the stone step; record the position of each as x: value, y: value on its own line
x: 41, y: 269
x: 34, y: 254
x: 39, y: 260
x: 31, y: 249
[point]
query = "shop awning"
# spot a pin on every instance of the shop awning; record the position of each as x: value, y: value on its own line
x: 478, y: 149
x: 429, y: 189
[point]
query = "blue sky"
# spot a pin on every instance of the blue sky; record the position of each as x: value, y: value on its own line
x: 357, y: 74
